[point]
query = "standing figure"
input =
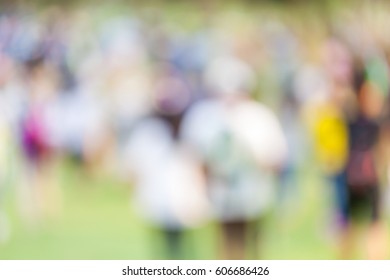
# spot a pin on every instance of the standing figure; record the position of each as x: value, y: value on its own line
x: 241, y: 144
x: 169, y: 183
x: 362, y: 170
x: 41, y: 193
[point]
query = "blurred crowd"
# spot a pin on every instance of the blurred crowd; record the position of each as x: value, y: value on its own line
x: 205, y: 123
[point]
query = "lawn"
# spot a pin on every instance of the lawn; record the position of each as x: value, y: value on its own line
x: 99, y: 222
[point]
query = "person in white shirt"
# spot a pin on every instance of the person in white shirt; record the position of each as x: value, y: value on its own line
x: 241, y: 144
x: 170, y: 187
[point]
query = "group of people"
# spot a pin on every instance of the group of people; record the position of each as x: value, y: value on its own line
x: 206, y: 124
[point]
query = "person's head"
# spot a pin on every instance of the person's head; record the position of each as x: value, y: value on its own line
x: 338, y: 61
x: 228, y: 77
x: 368, y: 96
x: 171, y: 95
x: 42, y: 77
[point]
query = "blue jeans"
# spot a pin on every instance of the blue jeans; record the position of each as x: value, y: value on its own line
x: 341, y: 195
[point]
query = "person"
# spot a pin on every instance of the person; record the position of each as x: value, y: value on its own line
x: 239, y: 142
x: 41, y: 193
x: 326, y: 111
x: 169, y: 185
x: 289, y: 190
x: 329, y: 131
x: 9, y: 97
x: 362, y: 169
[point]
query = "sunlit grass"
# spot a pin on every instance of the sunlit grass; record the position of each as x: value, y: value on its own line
x: 98, y: 222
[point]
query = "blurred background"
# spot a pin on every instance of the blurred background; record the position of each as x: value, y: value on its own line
x: 194, y: 129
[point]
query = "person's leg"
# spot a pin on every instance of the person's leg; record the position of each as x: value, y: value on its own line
x: 347, y: 241
x: 341, y: 198
x: 52, y: 192
x: 376, y: 240
x: 348, y: 227
x: 255, y: 245
x: 174, y: 241
x: 288, y: 190
x: 234, y: 239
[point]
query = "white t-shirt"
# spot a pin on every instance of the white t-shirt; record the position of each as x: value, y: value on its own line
x: 239, y: 143
x: 169, y: 185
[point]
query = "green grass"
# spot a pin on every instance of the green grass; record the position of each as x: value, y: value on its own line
x: 98, y: 222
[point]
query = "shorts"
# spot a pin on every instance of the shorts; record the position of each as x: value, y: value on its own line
x: 363, y: 203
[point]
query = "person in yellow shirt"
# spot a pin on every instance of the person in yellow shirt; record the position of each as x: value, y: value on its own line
x: 330, y: 139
